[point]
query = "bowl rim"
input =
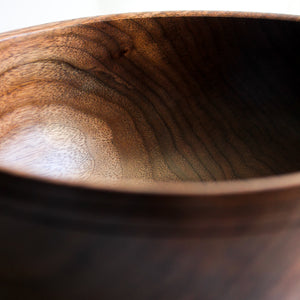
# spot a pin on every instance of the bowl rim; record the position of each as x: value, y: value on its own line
x: 42, y: 28
x: 172, y: 188
x: 182, y: 188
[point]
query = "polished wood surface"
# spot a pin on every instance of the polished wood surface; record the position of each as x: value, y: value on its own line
x: 151, y: 156
x: 152, y: 99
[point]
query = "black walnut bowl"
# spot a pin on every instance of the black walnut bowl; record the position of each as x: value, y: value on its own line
x: 151, y: 156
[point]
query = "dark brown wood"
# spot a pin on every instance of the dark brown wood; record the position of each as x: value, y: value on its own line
x: 152, y: 99
x: 151, y: 156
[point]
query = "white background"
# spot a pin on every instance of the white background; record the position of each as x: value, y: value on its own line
x: 16, y: 14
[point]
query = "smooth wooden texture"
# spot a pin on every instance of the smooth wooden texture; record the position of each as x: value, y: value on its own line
x: 122, y: 139
x: 152, y: 99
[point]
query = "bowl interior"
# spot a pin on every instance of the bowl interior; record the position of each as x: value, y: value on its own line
x: 152, y: 99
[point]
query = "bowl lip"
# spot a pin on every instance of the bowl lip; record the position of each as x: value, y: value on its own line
x: 42, y: 28
x: 183, y: 188
x: 231, y: 187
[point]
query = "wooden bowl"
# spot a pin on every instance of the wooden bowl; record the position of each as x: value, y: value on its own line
x: 151, y: 156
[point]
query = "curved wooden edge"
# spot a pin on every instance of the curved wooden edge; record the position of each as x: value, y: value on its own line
x: 146, y: 214
x: 228, y: 187
x: 190, y: 189
x: 159, y: 14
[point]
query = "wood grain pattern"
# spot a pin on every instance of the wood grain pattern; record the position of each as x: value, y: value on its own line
x: 152, y: 99
x: 121, y: 141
